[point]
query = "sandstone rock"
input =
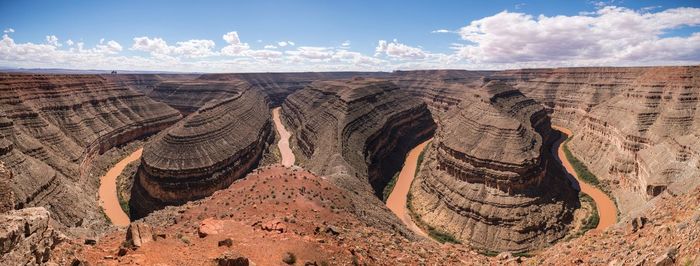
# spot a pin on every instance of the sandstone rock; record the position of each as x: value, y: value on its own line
x: 26, y: 237
x: 210, y: 226
x: 356, y: 133
x: 636, y: 223
x: 228, y: 259
x: 289, y: 258
x: 139, y: 234
x: 53, y: 126
x: 274, y: 226
x: 7, y: 197
x: 490, y: 179
x: 200, y: 155
x: 633, y: 127
x: 226, y: 242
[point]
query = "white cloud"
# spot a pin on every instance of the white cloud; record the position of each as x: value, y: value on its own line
x: 440, y: 31
x: 345, y: 43
x: 316, y: 53
x: 52, y: 40
x: 69, y: 42
x: 398, y: 50
x: 235, y: 47
x: 612, y: 35
x: 263, y: 54
x: 270, y: 46
x: 112, y: 47
x: 9, y: 30
x: 188, y: 49
x: 285, y: 43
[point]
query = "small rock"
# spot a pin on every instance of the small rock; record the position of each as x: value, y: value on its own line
x: 637, y: 223
x: 332, y: 230
x: 91, y: 242
x: 210, y: 226
x: 505, y: 255
x: 310, y: 263
x: 226, y: 242
x: 274, y: 225
x: 289, y: 258
x: 109, y: 257
x: 122, y: 251
x: 139, y: 234
x: 228, y: 259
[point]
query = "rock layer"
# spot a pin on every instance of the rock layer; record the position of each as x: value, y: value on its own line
x: 357, y: 132
x: 26, y: 238
x: 205, y: 152
x: 51, y: 128
x: 490, y: 179
x: 635, y: 128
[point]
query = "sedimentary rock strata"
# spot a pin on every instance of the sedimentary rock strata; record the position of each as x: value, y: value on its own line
x: 356, y: 132
x: 440, y: 89
x: 205, y: 152
x: 52, y: 126
x: 26, y: 238
x: 7, y: 197
x: 635, y: 128
x: 490, y: 179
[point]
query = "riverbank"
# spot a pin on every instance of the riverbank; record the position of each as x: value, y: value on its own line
x: 607, y: 210
x: 398, y: 197
x: 107, y: 192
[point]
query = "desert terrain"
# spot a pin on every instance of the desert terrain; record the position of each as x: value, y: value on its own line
x: 556, y: 166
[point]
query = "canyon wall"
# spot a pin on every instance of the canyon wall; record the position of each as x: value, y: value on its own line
x: 489, y: 177
x: 440, y: 89
x: 637, y: 129
x: 205, y: 152
x: 51, y: 128
x: 357, y: 133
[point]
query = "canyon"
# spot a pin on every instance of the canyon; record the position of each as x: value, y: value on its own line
x: 272, y: 164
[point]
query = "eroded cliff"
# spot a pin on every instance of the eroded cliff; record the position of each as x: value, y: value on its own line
x: 635, y: 128
x: 356, y: 132
x: 207, y: 151
x: 489, y: 178
x: 53, y: 126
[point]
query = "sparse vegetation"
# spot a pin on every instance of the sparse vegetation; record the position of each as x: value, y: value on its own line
x: 390, y: 186
x: 433, y: 232
x: 593, y: 219
x: 580, y: 168
x: 421, y: 157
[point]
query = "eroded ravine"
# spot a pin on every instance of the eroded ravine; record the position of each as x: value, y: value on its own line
x: 399, y: 195
x: 606, y: 207
x: 108, y: 191
x: 286, y: 152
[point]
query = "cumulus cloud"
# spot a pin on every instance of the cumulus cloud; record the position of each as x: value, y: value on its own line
x: 159, y: 47
x: 235, y: 47
x: 111, y: 47
x: 270, y: 46
x: 9, y: 30
x: 611, y: 35
x: 398, y: 50
x: 69, y: 42
x: 285, y: 43
x: 345, y: 43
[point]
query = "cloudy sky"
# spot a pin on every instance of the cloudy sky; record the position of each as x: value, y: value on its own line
x: 267, y: 36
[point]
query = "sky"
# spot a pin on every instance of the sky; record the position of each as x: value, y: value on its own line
x: 282, y: 36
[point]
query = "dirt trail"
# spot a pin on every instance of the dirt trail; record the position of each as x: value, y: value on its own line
x: 398, y: 197
x: 287, y: 154
x: 606, y: 207
x: 108, y: 190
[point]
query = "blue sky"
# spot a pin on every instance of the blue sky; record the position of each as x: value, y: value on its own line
x: 318, y: 30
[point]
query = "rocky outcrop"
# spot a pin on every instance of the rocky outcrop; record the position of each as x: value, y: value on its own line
x: 206, y: 152
x: 188, y: 96
x: 635, y: 128
x: 7, y: 197
x: 490, y: 179
x: 26, y: 238
x: 51, y: 128
x: 357, y: 132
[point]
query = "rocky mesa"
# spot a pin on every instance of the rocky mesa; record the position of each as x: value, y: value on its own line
x: 202, y: 154
x: 489, y: 178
